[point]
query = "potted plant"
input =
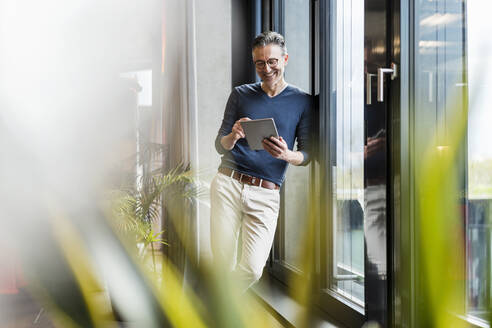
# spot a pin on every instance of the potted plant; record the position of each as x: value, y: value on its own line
x: 137, y: 204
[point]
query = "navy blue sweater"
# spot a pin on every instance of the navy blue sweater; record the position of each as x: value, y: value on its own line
x: 291, y: 110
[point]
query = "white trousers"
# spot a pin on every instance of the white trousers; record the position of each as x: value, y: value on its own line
x: 249, y: 210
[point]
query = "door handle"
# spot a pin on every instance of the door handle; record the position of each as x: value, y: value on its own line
x: 381, y: 72
x: 369, y: 77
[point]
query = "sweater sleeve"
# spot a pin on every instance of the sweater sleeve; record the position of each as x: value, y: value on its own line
x: 303, y: 134
x: 230, y: 117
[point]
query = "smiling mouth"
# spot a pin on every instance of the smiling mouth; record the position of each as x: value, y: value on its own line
x: 269, y: 75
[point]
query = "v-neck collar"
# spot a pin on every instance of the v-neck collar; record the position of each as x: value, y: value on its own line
x: 266, y: 94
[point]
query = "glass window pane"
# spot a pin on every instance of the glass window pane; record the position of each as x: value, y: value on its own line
x: 347, y: 75
x: 479, y: 229
x: 297, y: 29
x: 444, y: 38
x: 439, y: 90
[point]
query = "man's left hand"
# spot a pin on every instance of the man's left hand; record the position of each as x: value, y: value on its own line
x: 277, y: 148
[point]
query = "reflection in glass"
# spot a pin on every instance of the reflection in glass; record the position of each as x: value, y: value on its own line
x: 347, y: 71
x: 439, y: 93
x: 446, y: 30
x: 479, y: 227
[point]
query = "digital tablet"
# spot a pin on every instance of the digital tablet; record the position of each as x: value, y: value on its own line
x: 257, y: 130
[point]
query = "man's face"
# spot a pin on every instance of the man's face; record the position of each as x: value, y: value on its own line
x: 270, y: 63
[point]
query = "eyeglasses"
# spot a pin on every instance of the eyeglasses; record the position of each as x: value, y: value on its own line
x: 272, y: 62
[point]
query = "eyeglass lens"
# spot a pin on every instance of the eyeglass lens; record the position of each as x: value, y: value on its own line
x: 272, y: 62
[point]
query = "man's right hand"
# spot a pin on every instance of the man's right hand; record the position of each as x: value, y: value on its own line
x: 229, y: 141
x: 237, y: 129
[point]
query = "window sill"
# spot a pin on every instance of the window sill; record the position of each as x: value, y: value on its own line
x: 272, y: 294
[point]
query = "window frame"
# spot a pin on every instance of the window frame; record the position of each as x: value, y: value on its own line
x: 343, y: 309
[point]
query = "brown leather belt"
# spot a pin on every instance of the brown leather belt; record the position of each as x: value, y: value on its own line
x: 248, y: 179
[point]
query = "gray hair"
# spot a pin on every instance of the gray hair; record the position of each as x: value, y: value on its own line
x: 269, y: 37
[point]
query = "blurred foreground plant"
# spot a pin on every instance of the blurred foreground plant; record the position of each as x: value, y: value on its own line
x: 101, y: 280
x: 441, y: 223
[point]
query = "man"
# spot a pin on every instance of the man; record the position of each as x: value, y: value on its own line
x: 245, y: 193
